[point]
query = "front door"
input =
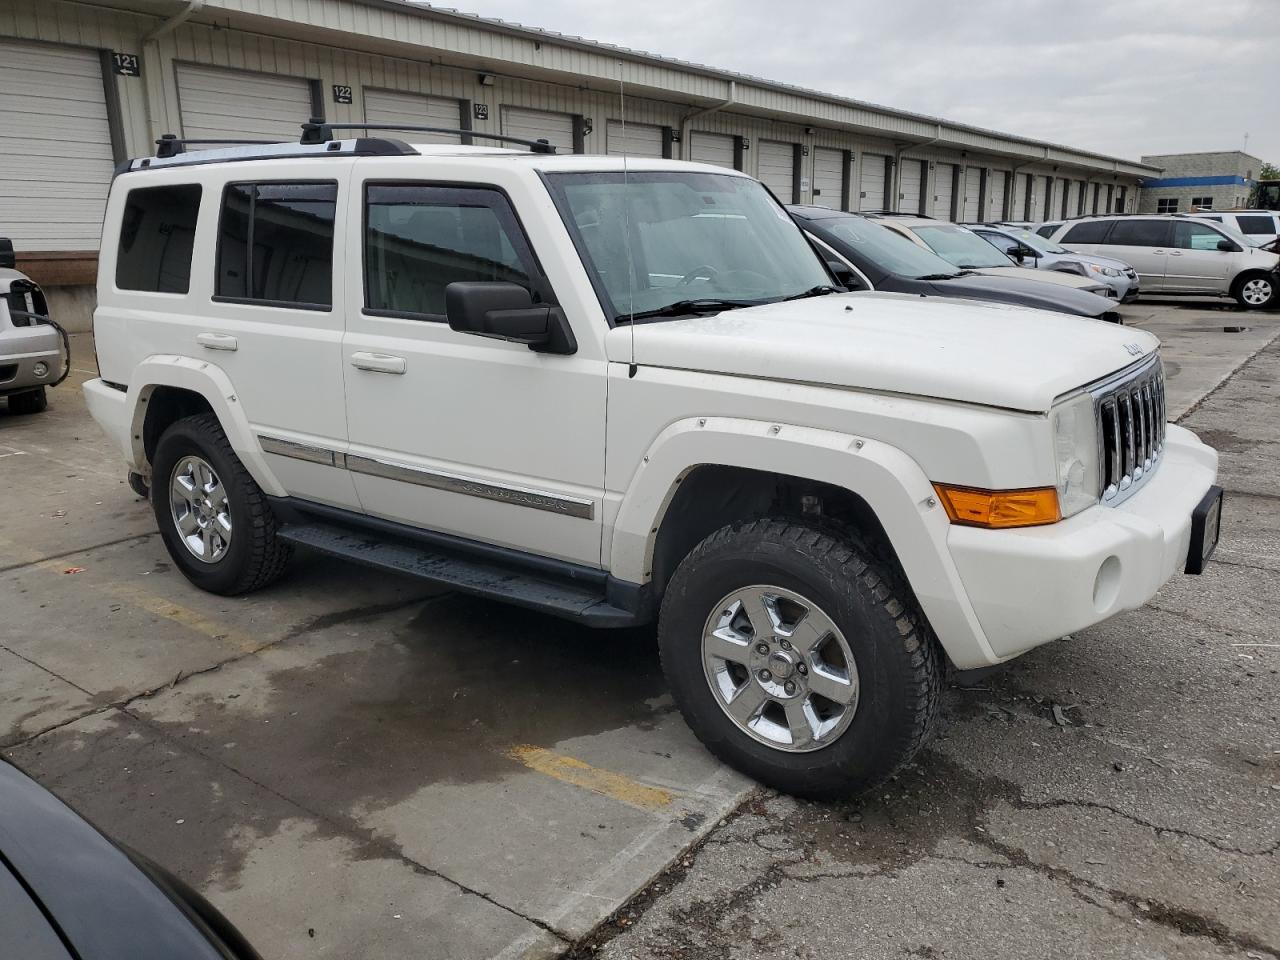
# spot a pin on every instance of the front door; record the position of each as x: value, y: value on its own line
x: 452, y: 432
x: 1195, y: 264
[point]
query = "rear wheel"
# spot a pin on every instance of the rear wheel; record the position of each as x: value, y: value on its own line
x: 1256, y: 291
x: 799, y: 658
x: 33, y: 401
x: 213, y: 517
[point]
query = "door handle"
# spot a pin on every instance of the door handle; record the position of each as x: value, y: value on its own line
x: 378, y: 362
x: 218, y: 341
x: 1175, y: 253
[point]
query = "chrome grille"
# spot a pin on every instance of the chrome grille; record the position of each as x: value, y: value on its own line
x: 1131, y: 428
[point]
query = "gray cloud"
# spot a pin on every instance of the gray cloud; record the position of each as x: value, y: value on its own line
x: 1124, y: 78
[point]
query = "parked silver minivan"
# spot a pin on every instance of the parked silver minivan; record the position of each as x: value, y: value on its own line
x: 1181, y: 256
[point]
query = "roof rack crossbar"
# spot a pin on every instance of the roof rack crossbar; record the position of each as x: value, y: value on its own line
x: 170, y: 144
x: 320, y: 131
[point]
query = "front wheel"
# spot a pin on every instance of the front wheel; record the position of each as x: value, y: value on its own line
x: 799, y: 658
x: 1256, y: 291
x: 33, y: 401
x: 214, y: 519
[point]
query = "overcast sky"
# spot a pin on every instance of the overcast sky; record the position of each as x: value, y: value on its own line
x: 1123, y: 77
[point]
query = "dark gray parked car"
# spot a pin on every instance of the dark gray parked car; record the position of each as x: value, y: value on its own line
x: 866, y: 255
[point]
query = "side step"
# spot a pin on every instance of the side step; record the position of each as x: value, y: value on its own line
x: 574, y: 601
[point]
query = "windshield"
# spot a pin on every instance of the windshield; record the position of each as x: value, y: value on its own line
x: 665, y: 238
x: 961, y: 246
x: 890, y: 251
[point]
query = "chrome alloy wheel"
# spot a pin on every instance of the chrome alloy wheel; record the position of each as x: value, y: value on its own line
x: 200, y: 510
x: 780, y: 668
x: 1257, y: 291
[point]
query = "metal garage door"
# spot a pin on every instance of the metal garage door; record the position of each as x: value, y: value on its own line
x: 969, y: 211
x: 238, y: 105
x: 1073, y: 198
x: 996, y: 180
x: 828, y: 177
x: 539, y: 125
x: 944, y: 182
x: 55, y: 155
x: 1062, y: 197
x: 640, y: 140
x: 871, y: 187
x: 716, y: 148
x: 392, y: 106
x: 1018, y: 209
x: 776, y: 169
x: 909, y: 186
x: 1095, y: 201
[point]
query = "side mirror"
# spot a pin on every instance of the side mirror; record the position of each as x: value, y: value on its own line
x: 1227, y: 246
x: 7, y: 259
x: 506, y: 311
x: 842, y: 272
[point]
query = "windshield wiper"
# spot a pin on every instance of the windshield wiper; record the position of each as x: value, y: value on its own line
x: 818, y: 291
x: 942, y: 276
x: 683, y: 308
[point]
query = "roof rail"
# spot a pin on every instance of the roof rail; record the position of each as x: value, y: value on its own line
x: 170, y: 144
x: 172, y: 154
x: 320, y: 131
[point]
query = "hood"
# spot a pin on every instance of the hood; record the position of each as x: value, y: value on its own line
x: 981, y: 353
x: 1026, y: 293
x: 1096, y: 258
x: 1044, y: 276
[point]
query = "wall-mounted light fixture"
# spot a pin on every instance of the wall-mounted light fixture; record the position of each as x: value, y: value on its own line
x: 486, y: 79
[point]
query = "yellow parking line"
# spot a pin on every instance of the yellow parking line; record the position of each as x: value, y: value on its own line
x: 604, y: 782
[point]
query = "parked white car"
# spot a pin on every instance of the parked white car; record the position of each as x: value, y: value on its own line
x: 1181, y: 256
x: 1259, y: 226
x: 627, y: 394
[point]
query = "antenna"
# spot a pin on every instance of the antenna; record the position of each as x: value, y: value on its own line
x: 626, y: 214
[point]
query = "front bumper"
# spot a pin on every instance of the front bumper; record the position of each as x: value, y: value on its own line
x: 1030, y: 586
x: 21, y: 349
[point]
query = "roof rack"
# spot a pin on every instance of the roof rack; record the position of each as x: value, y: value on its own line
x: 170, y: 144
x: 320, y: 131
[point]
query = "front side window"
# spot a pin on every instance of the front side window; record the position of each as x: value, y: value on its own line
x: 881, y: 247
x: 157, y: 233
x: 1139, y: 233
x: 962, y: 247
x: 1195, y: 236
x: 418, y: 239
x: 275, y: 244
x: 674, y: 243
x: 1001, y: 242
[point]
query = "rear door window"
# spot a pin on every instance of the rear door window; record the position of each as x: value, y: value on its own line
x: 1139, y: 233
x: 1095, y: 231
x: 275, y: 244
x: 157, y: 233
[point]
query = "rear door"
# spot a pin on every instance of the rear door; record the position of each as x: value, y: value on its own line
x: 1195, y: 263
x: 1143, y: 244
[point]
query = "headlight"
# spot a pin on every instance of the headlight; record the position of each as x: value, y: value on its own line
x: 1075, y: 447
x: 1105, y: 271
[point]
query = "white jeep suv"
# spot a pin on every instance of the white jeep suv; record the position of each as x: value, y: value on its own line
x: 623, y: 392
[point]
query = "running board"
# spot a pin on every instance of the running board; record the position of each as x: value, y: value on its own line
x: 482, y: 578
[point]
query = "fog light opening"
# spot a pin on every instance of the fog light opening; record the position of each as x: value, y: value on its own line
x: 1106, y: 585
x: 40, y: 369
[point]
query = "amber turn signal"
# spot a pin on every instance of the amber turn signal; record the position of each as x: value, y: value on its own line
x: 999, y: 509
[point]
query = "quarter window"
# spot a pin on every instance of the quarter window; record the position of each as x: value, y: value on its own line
x: 1167, y: 205
x: 157, y: 233
x: 1256, y: 224
x: 275, y: 244
x: 1094, y: 231
x: 1139, y: 233
x: 419, y: 239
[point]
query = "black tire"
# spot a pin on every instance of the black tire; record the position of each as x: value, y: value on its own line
x: 33, y: 401
x: 1255, y: 281
x: 254, y: 556
x: 897, y: 658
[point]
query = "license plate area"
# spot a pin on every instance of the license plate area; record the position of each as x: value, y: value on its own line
x: 1206, y: 527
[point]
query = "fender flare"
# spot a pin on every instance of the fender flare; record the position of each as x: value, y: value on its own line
x: 211, y: 382
x: 890, y: 481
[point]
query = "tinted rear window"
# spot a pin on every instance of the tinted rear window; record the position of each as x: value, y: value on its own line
x: 1256, y: 224
x: 157, y: 232
x: 1139, y: 233
x: 1094, y: 231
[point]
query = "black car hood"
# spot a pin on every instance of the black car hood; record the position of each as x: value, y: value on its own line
x: 104, y: 905
x: 1025, y: 293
